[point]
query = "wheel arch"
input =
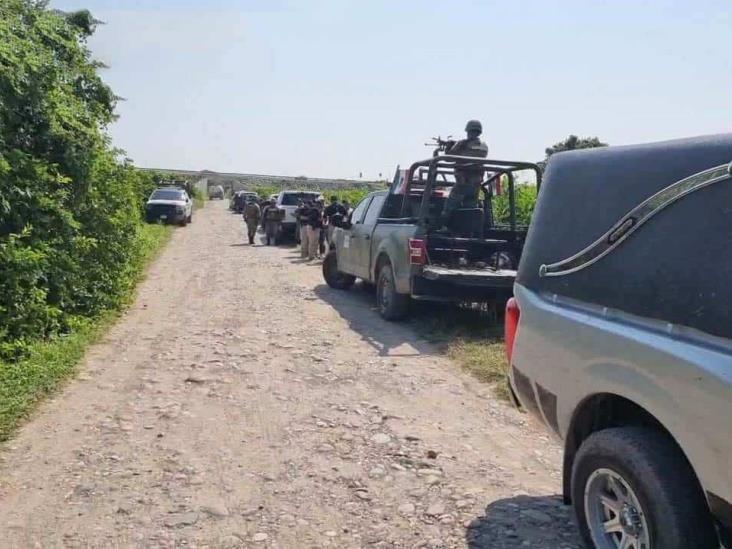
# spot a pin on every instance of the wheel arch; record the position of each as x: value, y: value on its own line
x: 382, y: 259
x: 602, y: 411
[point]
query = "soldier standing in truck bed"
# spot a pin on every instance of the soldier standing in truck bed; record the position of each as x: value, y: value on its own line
x: 464, y: 193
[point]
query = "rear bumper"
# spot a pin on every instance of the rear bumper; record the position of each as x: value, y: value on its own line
x: 459, y: 289
x: 165, y: 217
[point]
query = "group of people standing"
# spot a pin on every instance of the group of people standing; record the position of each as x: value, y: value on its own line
x: 316, y: 225
x: 267, y: 216
x: 314, y: 218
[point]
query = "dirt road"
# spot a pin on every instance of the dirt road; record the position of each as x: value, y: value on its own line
x: 242, y: 403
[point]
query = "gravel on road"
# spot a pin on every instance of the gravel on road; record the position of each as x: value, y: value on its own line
x: 240, y: 402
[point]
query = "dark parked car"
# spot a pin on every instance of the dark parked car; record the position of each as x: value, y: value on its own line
x: 239, y: 200
x: 216, y: 193
x: 620, y: 338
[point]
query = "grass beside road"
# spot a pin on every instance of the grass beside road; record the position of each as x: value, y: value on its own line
x: 199, y: 199
x: 472, y: 339
x: 26, y: 382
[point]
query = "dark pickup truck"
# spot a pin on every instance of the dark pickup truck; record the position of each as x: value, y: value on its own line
x: 395, y: 239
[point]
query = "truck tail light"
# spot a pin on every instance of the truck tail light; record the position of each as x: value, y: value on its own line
x: 417, y: 251
x: 513, y: 313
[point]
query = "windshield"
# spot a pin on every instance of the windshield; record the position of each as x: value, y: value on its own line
x: 291, y: 199
x: 168, y: 194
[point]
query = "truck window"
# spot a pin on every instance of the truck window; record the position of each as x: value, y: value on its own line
x: 291, y: 199
x: 357, y: 214
x: 393, y: 207
x: 373, y: 214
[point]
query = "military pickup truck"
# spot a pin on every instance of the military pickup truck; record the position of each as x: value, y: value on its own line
x: 396, y: 240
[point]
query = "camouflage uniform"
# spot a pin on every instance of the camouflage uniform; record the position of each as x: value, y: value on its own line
x: 272, y: 217
x: 464, y: 193
x: 252, y: 216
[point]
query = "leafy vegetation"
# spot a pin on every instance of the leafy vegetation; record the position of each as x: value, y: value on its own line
x: 572, y: 143
x: 72, y: 238
x: 525, y: 202
x: 45, y: 363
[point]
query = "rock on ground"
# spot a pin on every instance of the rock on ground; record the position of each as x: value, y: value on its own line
x: 242, y: 402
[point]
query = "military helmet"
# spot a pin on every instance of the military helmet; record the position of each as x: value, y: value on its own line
x: 474, y: 125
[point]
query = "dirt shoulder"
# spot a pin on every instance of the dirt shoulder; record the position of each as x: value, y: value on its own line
x: 242, y: 403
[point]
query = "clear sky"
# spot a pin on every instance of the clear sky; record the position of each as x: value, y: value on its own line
x: 338, y: 87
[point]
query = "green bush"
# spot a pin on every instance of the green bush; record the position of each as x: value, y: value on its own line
x: 70, y: 210
x: 525, y: 202
x: 44, y: 363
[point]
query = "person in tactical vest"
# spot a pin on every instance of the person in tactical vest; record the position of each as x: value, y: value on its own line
x: 272, y: 217
x: 464, y: 193
x: 332, y: 210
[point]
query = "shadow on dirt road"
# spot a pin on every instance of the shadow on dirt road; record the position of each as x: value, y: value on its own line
x: 357, y: 307
x: 525, y: 521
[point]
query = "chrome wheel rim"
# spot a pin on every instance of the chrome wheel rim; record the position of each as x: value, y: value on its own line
x: 613, y: 513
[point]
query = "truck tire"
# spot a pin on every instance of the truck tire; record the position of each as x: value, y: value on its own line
x: 391, y: 304
x: 333, y: 277
x: 635, y: 482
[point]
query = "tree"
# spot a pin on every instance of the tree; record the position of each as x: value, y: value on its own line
x: 70, y: 215
x: 572, y: 143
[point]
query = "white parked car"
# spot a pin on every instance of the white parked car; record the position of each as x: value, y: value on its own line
x: 170, y: 205
x: 287, y: 201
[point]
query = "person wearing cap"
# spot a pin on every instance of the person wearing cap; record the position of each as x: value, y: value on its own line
x: 464, y: 194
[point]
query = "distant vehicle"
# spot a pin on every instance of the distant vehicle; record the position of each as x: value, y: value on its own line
x: 170, y: 205
x: 216, y: 193
x: 620, y: 338
x: 240, y: 198
x: 287, y: 201
x: 394, y: 239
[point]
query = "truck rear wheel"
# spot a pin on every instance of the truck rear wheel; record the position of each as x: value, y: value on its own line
x: 333, y: 277
x: 392, y: 305
x: 632, y: 487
